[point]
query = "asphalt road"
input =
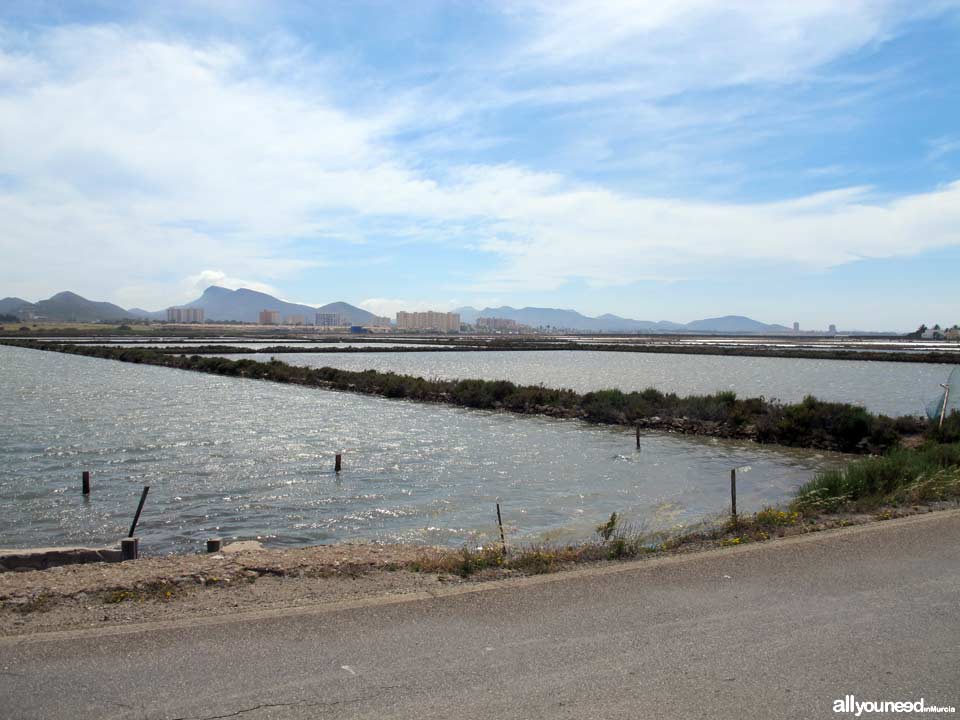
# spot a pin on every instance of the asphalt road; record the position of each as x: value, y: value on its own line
x: 778, y: 630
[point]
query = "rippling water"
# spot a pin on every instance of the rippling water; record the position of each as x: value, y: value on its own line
x: 248, y: 459
x: 886, y: 387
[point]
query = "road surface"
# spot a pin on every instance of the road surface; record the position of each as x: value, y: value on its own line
x: 777, y: 630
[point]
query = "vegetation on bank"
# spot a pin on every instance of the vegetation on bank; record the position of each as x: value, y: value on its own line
x: 479, y: 345
x: 926, y: 474
x: 810, y: 423
x: 617, y: 541
x: 661, y: 345
x: 921, y: 476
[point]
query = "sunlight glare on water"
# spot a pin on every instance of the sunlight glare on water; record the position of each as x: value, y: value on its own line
x: 251, y: 459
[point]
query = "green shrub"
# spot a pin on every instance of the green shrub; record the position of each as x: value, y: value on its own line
x: 875, y: 480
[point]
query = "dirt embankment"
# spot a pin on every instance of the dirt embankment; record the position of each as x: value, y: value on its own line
x: 76, y: 596
x: 173, y: 587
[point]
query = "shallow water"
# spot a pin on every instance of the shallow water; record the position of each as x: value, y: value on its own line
x: 886, y: 387
x: 251, y: 459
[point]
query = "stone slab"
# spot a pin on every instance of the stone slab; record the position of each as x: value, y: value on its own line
x: 12, y: 559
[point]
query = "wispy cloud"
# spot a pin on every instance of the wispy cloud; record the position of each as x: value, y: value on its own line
x: 137, y: 158
x: 942, y: 146
x: 202, y: 280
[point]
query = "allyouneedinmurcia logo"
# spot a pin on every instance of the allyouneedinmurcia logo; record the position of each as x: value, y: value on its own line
x: 850, y: 704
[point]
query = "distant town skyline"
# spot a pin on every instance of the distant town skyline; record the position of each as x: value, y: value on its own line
x: 792, y: 162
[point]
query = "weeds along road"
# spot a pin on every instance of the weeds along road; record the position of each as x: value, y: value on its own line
x: 779, y: 630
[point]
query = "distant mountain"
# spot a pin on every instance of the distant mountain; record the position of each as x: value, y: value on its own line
x: 357, y: 316
x: 567, y: 320
x: 734, y: 324
x: 70, y: 307
x: 572, y: 320
x: 13, y: 305
x: 642, y: 325
x: 244, y: 305
x: 218, y: 304
x: 147, y: 314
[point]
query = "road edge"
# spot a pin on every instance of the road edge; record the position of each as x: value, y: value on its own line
x: 482, y: 586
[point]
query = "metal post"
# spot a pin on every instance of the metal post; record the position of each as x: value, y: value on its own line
x: 733, y: 493
x: 86, y: 482
x: 130, y: 548
x: 503, y: 540
x: 136, y: 518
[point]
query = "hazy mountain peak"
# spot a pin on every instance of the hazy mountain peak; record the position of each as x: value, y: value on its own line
x: 566, y: 319
x: 68, y: 296
x: 245, y: 305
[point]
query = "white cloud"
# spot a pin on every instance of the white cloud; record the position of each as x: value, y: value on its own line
x: 134, y: 155
x: 942, y: 146
x: 689, y: 44
x: 202, y: 280
x: 137, y: 161
x: 610, y: 239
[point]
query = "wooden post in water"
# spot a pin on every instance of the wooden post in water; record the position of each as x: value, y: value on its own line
x: 638, y: 436
x: 733, y: 494
x: 86, y: 482
x: 213, y: 545
x: 338, y: 463
x: 130, y: 548
x: 136, y: 518
x: 503, y: 540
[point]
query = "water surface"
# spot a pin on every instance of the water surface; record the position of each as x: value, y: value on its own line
x: 887, y: 387
x: 252, y: 459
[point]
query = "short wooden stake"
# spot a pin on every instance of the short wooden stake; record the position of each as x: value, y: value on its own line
x: 338, y: 463
x: 733, y: 493
x: 213, y: 545
x: 503, y: 540
x: 86, y: 482
x: 130, y: 548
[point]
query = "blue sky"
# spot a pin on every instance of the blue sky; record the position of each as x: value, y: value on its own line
x: 670, y: 160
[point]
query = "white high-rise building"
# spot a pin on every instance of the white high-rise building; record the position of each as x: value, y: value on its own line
x: 184, y: 315
x: 429, y: 320
x: 330, y: 320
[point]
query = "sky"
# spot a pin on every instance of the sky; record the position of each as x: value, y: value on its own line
x: 668, y: 160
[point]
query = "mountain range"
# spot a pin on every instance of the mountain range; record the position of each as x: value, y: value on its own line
x: 243, y: 305
x: 219, y: 304
x: 67, y: 306
x: 572, y: 320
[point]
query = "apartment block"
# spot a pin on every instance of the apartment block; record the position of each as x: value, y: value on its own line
x: 495, y: 323
x: 330, y: 320
x: 185, y: 315
x: 269, y: 317
x: 433, y: 321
